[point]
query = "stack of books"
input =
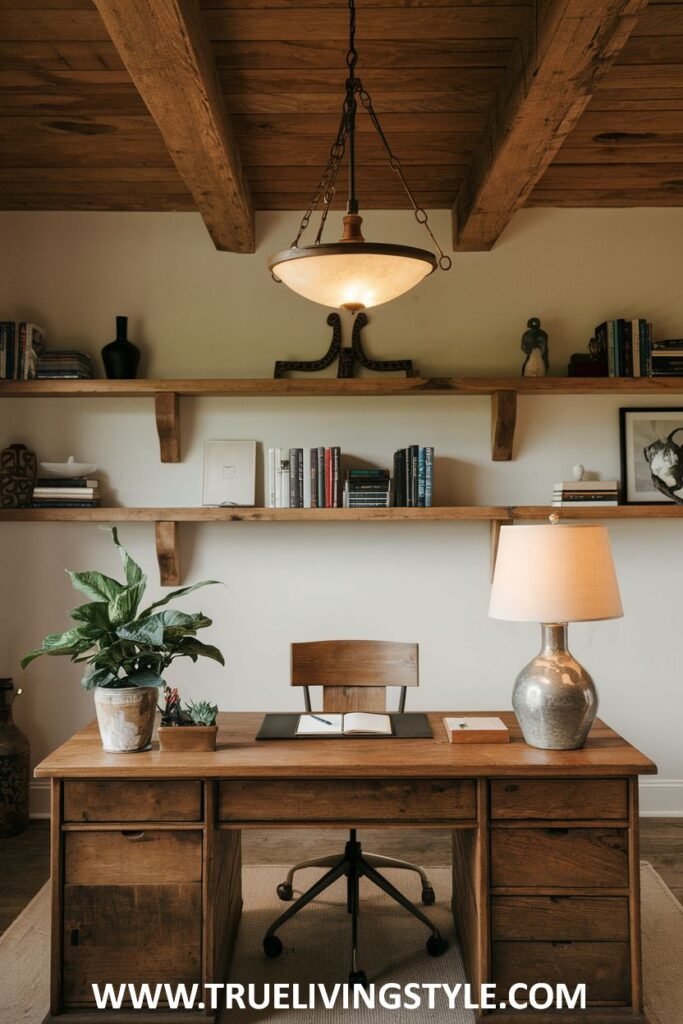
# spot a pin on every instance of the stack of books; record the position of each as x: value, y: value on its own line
x: 65, y: 365
x: 596, y: 493
x: 304, y: 478
x: 66, y: 492
x: 626, y: 346
x: 413, y: 477
x: 666, y: 358
x: 20, y: 348
x: 367, y: 488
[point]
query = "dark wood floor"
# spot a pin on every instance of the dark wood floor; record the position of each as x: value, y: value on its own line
x: 24, y: 860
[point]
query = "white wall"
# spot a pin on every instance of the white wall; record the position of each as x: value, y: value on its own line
x: 196, y: 312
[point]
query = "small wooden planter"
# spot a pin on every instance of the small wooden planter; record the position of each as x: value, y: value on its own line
x: 187, y: 737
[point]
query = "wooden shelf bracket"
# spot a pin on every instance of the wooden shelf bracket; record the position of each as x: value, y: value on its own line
x: 503, y: 420
x: 166, y: 408
x: 166, y: 537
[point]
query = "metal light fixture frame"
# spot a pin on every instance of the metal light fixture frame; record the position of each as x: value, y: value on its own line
x: 352, y: 242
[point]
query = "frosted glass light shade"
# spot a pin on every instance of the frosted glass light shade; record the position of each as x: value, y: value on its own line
x: 352, y: 275
x: 554, y: 573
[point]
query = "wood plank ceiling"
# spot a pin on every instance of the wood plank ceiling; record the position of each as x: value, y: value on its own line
x: 75, y: 132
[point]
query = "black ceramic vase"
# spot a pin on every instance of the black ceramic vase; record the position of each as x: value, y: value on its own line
x: 121, y: 357
x: 14, y: 768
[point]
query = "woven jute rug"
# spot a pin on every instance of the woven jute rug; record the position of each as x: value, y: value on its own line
x: 317, y: 950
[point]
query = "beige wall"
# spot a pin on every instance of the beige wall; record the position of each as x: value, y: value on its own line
x: 197, y: 312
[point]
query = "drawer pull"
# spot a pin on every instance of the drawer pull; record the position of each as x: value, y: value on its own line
x: 557, y: 831
x: 133, y: 837
x: 559, y: 899
x: 74, y: 936
x: 561, y: 943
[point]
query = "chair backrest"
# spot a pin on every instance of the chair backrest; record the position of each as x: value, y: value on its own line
x: 354, y: 674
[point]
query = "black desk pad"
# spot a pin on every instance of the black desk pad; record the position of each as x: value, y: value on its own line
x: 411, y: 725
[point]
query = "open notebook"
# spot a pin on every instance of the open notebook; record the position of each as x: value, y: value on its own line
x: 355, y: 723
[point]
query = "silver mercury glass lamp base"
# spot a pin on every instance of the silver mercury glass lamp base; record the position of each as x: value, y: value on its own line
x: 554, y: 698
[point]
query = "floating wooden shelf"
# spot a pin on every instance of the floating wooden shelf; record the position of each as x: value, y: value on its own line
x: 503, y: 392
x: 166, y: 520
x: 253, y: 515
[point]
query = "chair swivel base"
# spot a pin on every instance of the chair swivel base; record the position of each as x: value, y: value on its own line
x: 354, y: 866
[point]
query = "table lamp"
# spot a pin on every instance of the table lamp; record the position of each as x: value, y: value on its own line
x: 554, y: 575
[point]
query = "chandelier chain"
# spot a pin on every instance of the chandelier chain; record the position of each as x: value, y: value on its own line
x: 421, y: 215
x: 325, y: 190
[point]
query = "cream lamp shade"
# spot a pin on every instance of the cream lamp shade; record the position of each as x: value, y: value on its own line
x: 554, y: 573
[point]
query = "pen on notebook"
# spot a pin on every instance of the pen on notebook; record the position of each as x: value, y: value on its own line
x: 319, y: 719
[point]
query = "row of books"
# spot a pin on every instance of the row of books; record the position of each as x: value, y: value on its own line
x: 313, y: 478
x: 20, y: 347
x: 304, y: 478
x: 586, y: 492
x: 64, y: 365
x: 413, y: 477
x: 628, y: 350
x: 66, y: 492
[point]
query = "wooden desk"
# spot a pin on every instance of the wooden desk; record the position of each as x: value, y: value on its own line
x: 146, y: 869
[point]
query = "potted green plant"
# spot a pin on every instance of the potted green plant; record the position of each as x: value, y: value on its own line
x: 126, y: 650
x: 192, y: 727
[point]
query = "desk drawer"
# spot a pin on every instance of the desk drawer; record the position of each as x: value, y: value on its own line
x: 130, y: 933
x: 563, y: 857
x: 568, y: 799
x: 560, y: 918
x: 603, y: 967
x: 348, y: 800
x: 132, y: 800
x: 132, y: 857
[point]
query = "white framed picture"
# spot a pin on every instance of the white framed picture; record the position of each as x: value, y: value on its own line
x: 229, y: 473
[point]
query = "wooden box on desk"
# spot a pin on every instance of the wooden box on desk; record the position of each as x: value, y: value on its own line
x: 476, y: 730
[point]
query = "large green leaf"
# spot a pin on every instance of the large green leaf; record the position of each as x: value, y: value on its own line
x: 28, y: 658
x: 95, y: 586
x: 151, y: 631
x: 95, y: 676
x: 124, y: 605
x: 194, y: 649
x: 177, y: 593
x: 145, y: 677
x: 94, y: 614
x: 134, y: 573
x: 63, y: 643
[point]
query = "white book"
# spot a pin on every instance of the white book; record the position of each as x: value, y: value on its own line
x: 355, y: 723
x: 278, y: 477
x: 229, y: 473
x: 271, y: 478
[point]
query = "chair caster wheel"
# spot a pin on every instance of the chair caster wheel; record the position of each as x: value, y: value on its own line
x: 284, y: 891
x: 272, y: 946
x: 436, y: 945
x: 428, y: 896
x: 358, y: 978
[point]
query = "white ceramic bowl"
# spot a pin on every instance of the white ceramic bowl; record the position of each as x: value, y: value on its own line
x: 70, y: 468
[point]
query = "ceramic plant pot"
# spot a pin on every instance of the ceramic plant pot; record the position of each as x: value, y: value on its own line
x: 126, y: 717
x: 187, y: 737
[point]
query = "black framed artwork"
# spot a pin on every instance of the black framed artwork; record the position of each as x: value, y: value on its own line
x: 651, y: 456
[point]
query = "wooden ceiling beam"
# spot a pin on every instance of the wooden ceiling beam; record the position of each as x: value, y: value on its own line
x: 166, y: 50
x: 538, y: 104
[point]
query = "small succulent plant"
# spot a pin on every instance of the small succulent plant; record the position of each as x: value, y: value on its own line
x: 199, y: 713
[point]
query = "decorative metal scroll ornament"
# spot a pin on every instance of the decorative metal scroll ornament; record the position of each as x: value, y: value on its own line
x: 347, y: 356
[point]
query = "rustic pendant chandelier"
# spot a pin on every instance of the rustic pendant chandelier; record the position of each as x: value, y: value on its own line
x: 354, y: 274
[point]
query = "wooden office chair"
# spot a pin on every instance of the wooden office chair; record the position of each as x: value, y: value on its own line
x: 354, y: 675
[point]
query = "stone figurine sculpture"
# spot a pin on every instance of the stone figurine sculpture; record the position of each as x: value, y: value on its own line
x: 535, y: 348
